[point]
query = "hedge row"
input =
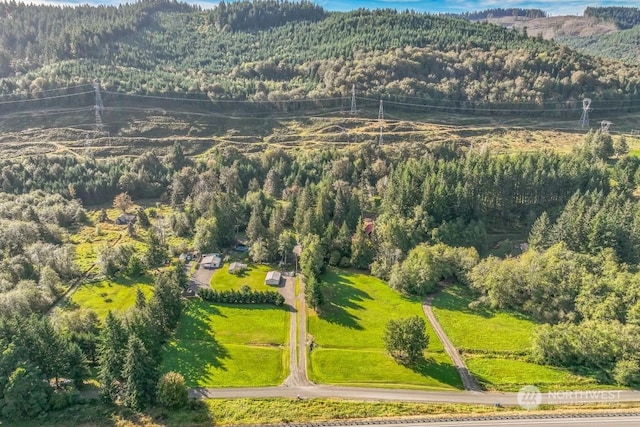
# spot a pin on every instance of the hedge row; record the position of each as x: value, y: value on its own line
x: 241, y: 297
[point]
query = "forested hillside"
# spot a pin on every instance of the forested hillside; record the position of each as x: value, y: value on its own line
x: 270, y: 51
x: 624, y: 17
x: 623, y: 45
x: 500, y: 12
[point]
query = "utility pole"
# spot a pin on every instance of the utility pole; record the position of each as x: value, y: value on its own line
x: 586, y: 107
x: 380, y: 120
x: 354, y: 109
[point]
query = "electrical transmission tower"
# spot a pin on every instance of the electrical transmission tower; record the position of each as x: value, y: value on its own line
x: 354, y: 109
x: 586, y: 107
x: 605, y: 125
x: 380, y: 120
x: 99, y: 108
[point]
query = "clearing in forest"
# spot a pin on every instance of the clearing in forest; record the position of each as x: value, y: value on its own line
x: 348, y: 337
x: 497, y: 345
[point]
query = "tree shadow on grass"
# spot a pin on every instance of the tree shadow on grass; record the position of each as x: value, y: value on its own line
x: 196, y: 349
x: 444, y: 373
x: 457, y: 298
x: 341, y: 296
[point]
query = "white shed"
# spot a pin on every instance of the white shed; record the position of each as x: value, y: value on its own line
x: 273, y: 278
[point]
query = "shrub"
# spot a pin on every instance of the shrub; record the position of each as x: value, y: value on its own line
x: 172, y: 390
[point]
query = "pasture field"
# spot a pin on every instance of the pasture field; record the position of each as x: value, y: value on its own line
x: 497, y: 345
x: 348, y: 337
x: 110, y: 294
x: 219, y: 345
x: 493, y: 331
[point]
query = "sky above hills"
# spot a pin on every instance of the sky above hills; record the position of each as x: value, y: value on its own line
x: 554, y: 7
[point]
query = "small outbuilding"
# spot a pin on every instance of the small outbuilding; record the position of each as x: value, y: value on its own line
x: 273, y: 278
x: 237, y: 267
x: 125, y: 219
x: 211, y: 261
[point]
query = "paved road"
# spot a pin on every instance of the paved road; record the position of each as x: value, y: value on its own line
x: 297, y: 334
x: 469, y: 382
x: 378, y: 394
x: 618, y: 421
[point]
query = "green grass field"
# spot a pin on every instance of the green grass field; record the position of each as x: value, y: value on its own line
x: 493, y: 331
x: 496, y: 345
x: 348, y: 334
x: 219, y: 345
x: 110, y: 294
x: 253, y: 277
x: 511, y: 374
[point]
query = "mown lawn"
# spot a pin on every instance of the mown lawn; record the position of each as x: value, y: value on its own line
x: 253, y: 277
x: 218, y: 345
x: 496, y: 345
x: 349, y: 347
x: 110, y: 294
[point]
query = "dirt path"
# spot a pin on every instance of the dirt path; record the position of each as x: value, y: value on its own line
x: 297, y: 335
x: 470, y: 383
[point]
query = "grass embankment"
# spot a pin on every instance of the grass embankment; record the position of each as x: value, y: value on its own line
x: 219, y: 345
x: 280, y: 411
x: 497, y: 344
x: 348, y: 334
x: 253, y: 277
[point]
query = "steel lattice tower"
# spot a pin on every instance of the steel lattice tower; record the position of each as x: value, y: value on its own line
x: 99, y: 107
x: 380, y: 120
x: 605, y: 125
x: 586, y: 107
x: 354, y: 109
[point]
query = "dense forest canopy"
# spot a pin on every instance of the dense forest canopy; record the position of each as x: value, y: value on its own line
x: 270, y: 51
x: 623, y: 17
x: 505, y: 12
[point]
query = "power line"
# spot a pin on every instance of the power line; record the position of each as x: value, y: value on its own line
x: 216, y: 101
x: 45, y: 98
x: 8, y: 95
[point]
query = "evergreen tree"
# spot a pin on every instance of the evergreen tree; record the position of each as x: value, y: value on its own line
x: 143, y: 219
x: 113, y: 342
x: 26, y: 394
x: 156, y: 250
x: 313, y: 292
x: 539, y: 237
x: 255, y: 228
x: 139, y: 375
x: 361, y: 248
x: 259, y: 251
x: 141, y: 300
x: 286, y: 243
x: 76, y: 368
